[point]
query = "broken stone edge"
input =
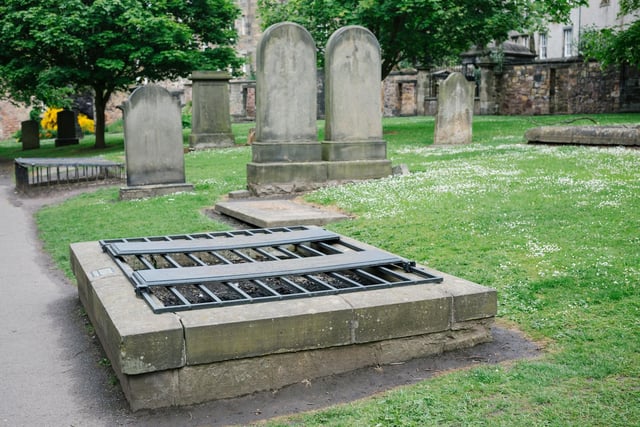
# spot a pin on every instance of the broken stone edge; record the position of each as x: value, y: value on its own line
x: 195, y: 356
x: 155, y: 190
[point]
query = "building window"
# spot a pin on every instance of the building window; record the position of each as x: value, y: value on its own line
x: 524, y: 40
x: 568, y: 42
x: 543, y: 46
x: 605, y: 3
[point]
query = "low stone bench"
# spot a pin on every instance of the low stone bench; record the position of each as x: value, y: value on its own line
x: 38, y: 172
x: 585, y: 135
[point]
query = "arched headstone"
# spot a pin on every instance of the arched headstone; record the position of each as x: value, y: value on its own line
x: 154, y: 150
x: 353, y: 101
x: 286, y: 96
x: 454, y: 117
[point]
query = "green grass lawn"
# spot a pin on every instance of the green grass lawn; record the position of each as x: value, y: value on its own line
x: 556, y: 230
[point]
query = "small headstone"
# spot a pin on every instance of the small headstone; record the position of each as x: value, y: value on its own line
x: 353, y: 101
x: 154, y: 150
x: 30, y: 134
x: 211, y: 119
x: 454, y: 117
x: 67, y: 132
x: 286, y: 96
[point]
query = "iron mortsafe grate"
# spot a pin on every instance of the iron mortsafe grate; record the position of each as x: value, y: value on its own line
x: 184, y: 272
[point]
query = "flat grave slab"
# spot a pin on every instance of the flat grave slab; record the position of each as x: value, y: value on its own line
x: 585, y: 135
x: 277, y: 212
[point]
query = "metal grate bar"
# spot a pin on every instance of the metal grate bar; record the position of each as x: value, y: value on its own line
x: 185, y: 272
x: 216, y: 244
x: 227, y: 272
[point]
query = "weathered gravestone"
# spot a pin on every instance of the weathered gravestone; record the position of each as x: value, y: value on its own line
x: 30, y: 135
x: 286, y: 150
x: 353, y: 106
x: 154, y: 152
x: 67, y: 131
x: 211, y: 119
x: 287, y: 157
x: 454, y: 117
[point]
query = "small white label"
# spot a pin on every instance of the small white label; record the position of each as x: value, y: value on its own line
x: 102, y: 272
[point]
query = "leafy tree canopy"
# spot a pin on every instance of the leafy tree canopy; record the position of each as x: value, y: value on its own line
x: 419, y: 31
x: 612, y: 46
x: 51, y: 48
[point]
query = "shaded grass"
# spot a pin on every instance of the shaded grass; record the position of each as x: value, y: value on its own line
x: 556, y: 230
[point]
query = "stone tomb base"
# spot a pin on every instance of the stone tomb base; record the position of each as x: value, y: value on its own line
x: 265, y: 179
x: 195, y: 356
x: 144, y: 191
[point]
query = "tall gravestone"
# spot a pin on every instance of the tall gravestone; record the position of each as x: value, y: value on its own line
x: 454, y: 118
x: 154, y: 151
x: 286, y: 143
x: 67, y: 132
x: 211, y: 119
x: 353, y: 105
x: 286, y: 156
x: 30, y: 134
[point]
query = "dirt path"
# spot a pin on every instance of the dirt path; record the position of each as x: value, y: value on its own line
x: 51, y: 366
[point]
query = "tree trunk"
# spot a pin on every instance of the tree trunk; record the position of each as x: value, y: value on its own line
x: 100, y: 102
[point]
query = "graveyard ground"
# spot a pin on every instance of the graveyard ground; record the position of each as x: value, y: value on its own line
x: 554, y: 229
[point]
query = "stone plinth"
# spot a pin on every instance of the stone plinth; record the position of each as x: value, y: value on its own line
x: 193, y: 356
x: 211, y: 118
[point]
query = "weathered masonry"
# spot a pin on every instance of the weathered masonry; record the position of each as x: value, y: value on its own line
x: 190, y: 318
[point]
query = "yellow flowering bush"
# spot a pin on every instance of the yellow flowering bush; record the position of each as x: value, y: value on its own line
x: 87, y: 125
x: 49, y: 123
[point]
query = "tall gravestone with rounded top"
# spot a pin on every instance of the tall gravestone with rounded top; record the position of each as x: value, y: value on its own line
x: 154, y: 152
x: 454, y: 118
x: 286, y: 150
x: 353, y: 106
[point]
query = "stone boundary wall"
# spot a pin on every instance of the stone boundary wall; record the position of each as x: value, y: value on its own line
x: 10, y: 118
x: 541, y: 87
x: 556, y: 87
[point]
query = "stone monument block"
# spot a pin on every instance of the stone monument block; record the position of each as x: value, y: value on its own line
x: 154, y: 151
x: 67, y: 133
x: 353, y: 101
x: 30, y: 135
x: 286, y: 96
x: 211, y: 118
x: 454, y: 117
